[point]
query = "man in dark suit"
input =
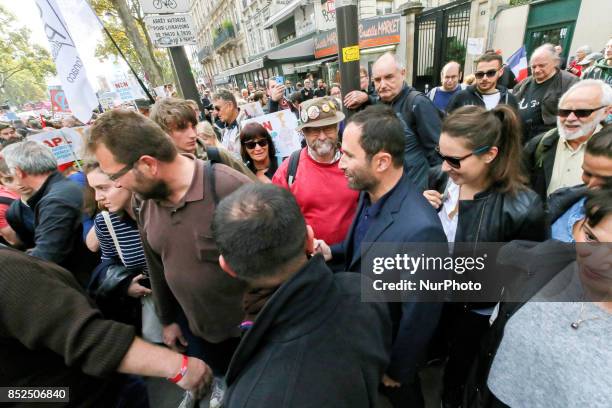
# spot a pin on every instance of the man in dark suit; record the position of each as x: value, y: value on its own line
x: 391, y: 209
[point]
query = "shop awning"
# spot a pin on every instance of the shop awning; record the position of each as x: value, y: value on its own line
x: 301, y: 49
x: 283, y: 14
x: 313, y: 63
x: 249, y: 66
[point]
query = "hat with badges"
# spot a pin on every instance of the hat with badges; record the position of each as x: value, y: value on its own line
x: 318, y: 112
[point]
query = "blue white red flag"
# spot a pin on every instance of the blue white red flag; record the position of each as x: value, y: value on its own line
x: 517, y: 63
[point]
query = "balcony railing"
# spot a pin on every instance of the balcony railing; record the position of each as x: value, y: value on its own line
x: 205, y: 52
x: 223, y: 34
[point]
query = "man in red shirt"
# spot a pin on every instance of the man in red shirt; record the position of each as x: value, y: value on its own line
x: 319, y: 186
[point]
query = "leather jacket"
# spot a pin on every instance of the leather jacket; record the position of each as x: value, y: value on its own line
x: 493, y: 216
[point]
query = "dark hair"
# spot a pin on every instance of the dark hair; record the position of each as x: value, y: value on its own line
x: 498, y: 127
x: 296, y: 97
x: 128, y: 135
x: 249, y: 132
x: 488, y: 57
x: 381, y: 130
x: 226, y: 96
x: 598, y: 205
x: 173, y: 114
x: 90, y: 205
x: 259, y: 228
x: 258, y: 96
x: 600, y: 144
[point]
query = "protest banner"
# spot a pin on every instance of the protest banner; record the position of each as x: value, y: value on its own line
x: 252, y: 110
x: 68, y: 144
x: 282, y: 127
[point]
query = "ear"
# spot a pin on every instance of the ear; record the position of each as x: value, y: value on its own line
x: 226, y: 267
x: 403, y: 72
x: 501, y: 71
x: 148, y: 165
x: 382, y: 161
x: 20, y: 173
x: 309, y: 244
x: 491, y: 154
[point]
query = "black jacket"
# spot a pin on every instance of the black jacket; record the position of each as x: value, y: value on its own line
x: 57, y: 207
x: 562, y: 81
x: 534, y: 264
x: 562, y: 200
x: 471, y: 96
x: 496, y: 217
x: 314, y: 344
x: 406, y: 217
x: 539, y: 158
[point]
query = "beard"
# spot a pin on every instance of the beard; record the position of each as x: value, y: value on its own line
x: 151, y: 189
x: 361, y: 180
x: 323, y: 147
x: 585, y: 129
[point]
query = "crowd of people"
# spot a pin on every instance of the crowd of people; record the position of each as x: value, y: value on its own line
x: 184, y: 247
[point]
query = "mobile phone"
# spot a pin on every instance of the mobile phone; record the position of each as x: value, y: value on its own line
x: 280, y: 80
x: 146, y: 282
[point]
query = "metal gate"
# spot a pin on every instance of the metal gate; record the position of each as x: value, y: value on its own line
x: 440, y: 35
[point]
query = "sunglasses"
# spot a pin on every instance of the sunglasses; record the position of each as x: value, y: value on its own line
x: 455, y: 162
x: 251, y: 144
x: 580, y: 113
x: 490, y: 73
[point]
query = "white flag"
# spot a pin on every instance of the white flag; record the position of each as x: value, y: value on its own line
x: 71, y: 70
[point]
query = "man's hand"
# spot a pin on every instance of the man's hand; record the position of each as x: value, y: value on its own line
x: 173, y: 337
x: 389, y: 382
x: 277, y: 92
x: 136, y: 290
x: 321, y: 247
x: 355, y: 99
x: 198, y: 377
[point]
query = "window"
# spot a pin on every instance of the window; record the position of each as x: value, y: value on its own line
x: 384, y: 7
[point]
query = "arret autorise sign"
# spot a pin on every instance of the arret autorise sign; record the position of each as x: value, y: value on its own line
x: 165, y: 6
x: 171, y: 30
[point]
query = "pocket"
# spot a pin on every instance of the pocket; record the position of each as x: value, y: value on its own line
x: 206, y: 248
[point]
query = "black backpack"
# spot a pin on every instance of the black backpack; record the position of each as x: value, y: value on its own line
x: 294, y: 161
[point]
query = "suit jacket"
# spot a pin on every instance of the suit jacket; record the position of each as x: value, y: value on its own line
x: 406, y: 216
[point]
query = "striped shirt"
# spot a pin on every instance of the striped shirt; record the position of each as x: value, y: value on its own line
x: 128, y: 238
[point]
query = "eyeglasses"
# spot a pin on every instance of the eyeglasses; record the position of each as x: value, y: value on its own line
x: 580, y: 113
x: 116, y: 176
x: 217, y: 108
x: 455, y: 162
x: 312, y: 131
x: 490, y: 73
x: 252, y: 143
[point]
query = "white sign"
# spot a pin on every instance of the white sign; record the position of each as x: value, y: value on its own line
x: 252, y: 109
x: 475, y: 46
x: 67, y: 144
x: 281, y: 125
x: 122, y: 87
x: 173, y: 30
x: 70, y: 67
x: 165, y: 6
x: 109, y: 100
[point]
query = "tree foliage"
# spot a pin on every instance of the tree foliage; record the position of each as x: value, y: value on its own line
x: 23, y: 65
x: 109, y: 13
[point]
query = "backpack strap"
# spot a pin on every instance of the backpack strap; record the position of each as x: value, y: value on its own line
x: 209, y: 173
x: 294, y: 161
x: 213, y: 154
x: 410, y: 102
x: 111, y: 231
x: 539, y: 151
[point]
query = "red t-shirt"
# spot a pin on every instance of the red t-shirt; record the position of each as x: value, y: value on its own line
x: 322, y: 192
x: 3, y: 207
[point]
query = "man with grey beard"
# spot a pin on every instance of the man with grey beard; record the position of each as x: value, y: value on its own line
x: 554, y: 159
x: 313, y: 176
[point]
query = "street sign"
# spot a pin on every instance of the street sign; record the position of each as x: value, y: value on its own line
x: 173, y: 30
x: 165, y: 6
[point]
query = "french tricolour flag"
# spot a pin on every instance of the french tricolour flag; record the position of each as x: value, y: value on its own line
x: 518, y: 64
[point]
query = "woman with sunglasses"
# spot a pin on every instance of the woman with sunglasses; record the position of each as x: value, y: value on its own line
x: 481, y: 194
x: 258, y: 152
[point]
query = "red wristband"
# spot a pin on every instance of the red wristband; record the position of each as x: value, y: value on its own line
x: 182, y: 372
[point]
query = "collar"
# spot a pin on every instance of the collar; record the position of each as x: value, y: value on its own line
x: 581, y: 146
x: 374, y: 209
x: 40, y: 193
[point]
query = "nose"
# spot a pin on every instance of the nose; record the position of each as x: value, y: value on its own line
x: 341, y: 164
x: 99, y: 196
x: 572, y: 116
x: 445, y: 166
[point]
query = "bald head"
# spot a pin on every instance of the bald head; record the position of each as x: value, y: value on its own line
x: 544, y: 62
x: 388, y: 74
x: 450, y: 75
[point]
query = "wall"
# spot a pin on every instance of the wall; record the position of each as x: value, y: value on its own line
x: 509, y: 30
x: 593, y: 25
